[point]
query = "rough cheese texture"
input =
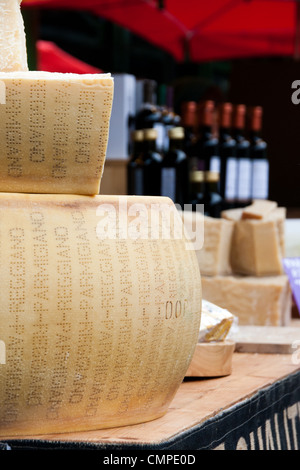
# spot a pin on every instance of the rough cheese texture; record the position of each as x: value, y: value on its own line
x: 215, y: 323
x: 13, y: 54
x: 99, y: 324
x: 54, y: 131
x: 257, y: 245
x: 254, y: 301
x: 214, y: 252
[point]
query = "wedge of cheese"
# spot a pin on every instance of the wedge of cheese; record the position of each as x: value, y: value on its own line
x: 54, y: 131
x: 254, y: 301
x: 212, y: 239
x: 13, y: 53
x: 257, y: 244
x: 215, y: 323
x: 99, y: 319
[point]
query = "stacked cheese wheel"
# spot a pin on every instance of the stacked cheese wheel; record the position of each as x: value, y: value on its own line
x: 100, y: 295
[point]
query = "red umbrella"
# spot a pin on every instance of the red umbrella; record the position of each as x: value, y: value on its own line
x: 50, y: 58
x: 201, y: 29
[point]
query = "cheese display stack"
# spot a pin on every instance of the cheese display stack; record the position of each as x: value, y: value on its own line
x: 98, y: 320
x: 254, y: 288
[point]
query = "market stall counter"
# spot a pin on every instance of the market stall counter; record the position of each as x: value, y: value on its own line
x: 256, y: 407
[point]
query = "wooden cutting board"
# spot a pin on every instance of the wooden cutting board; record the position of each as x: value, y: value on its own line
x: 212, y: 359
x: 267, y: 339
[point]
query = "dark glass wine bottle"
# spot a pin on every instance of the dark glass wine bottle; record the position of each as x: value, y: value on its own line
x: 258, y: 153
x: 175, y: 169
x: 227, y: 150
x: 151, y: 164
x: 207, y: 142
x: 244, y: 166
x: 135, y: 166
x: 188, y: 121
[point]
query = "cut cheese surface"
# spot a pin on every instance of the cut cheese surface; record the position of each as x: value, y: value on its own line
x: 54, y: 131
x: 212, y: 240
x: 13, y: 53
x: 215, y: 322
x: 257, y: 245
x: 99, y: 324
x: 254, y: 301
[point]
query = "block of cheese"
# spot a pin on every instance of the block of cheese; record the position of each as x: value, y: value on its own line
x: 99, y: 322
x: 13, y: 54
x: 253, y: 300
x: 215, y: 322
x: 259, y: 209
x: 257, y: 244
x: 54, y: 131
x: 215, y: 235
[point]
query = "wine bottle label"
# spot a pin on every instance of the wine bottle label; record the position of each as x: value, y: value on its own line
x: 168, y: 183
x: 160, y: 141
x: 260, y: 179
x: 231, y: 178
x: 244, y: 179
x: 139, y: 182
x: 215, y: 164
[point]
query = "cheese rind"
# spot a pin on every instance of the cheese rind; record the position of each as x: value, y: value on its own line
x: 13, y: 53
x: 54, y: 131
x: 99, y: 325
x: 254, y: 301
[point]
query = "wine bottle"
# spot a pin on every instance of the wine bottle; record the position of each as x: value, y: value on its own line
x: 205, y: 191
x: 207, y: 142
x: 135, y: 166
x: 188, y: 121
x: 151, y: 163
x: 244, y: 166
x: 213, y: 202
x: 149, y: 115
x: 258, y: 153
x: 228, y: 160
x: 175, y: 169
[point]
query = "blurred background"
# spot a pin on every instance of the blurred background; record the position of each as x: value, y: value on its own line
x: 236, y: 51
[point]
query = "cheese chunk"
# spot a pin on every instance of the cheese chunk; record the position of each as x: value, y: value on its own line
x: 215, y: 322
x: 215, y: 234
x: 54, y: 131
x: 13, y: 53
x: 259, y: 209
x: 257, y: 245
x: 99, y: 324
x: 254, y: 301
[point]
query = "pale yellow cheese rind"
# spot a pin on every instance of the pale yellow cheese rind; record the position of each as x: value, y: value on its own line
x: 100, y: 325
x: 13, y: 53
x: 54, y: 131
x: 254, y: 301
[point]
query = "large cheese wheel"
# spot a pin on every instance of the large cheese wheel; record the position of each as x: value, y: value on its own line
x: 99, y: 311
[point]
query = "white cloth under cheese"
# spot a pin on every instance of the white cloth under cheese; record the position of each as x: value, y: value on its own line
x: 215, y: 323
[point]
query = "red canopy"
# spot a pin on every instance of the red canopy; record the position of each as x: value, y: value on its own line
x: 50, y: 58
x: 205, y: 29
